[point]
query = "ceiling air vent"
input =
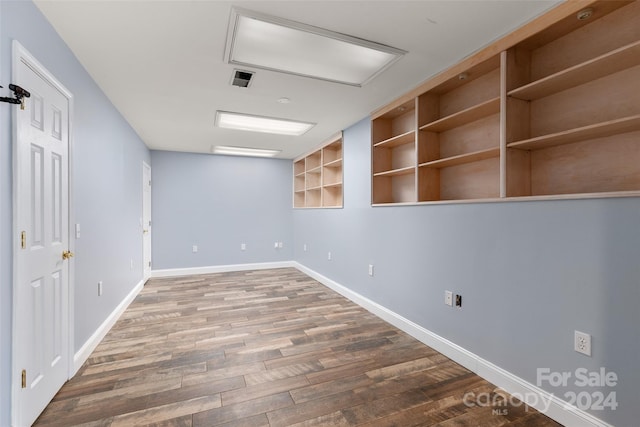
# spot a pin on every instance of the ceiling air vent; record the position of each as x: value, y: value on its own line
x: 241, y: 78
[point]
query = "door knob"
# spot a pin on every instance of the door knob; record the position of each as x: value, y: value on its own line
x: 145, y: 231
x: 67, y: 254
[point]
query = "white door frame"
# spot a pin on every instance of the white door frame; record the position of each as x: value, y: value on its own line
x: 145, y: 256
x: 20, y: 54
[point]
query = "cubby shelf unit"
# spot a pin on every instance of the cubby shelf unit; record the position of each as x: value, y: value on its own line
x: 551, y: 110
x: 317, y: 177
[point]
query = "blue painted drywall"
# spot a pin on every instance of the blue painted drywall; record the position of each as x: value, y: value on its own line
x: 107, y: 164
x: 217, y: 203
x: 530, y: 273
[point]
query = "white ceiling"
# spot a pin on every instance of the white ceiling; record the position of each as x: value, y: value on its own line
x: 161, y: 62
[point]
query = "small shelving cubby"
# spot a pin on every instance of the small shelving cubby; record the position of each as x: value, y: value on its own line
x: 317, y: 177
x: 574, y: 105
x: 332, y: 174
x: 394, y: 155
x: 459, y: 136
x: 299, y: 183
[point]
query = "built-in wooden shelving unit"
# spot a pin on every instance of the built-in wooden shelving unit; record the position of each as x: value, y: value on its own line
x: 551, y: 109
x: 317, y: 177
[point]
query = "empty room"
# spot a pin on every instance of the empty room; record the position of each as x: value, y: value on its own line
x: 319, y: 213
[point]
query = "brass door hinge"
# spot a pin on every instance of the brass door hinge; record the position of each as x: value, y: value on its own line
x: 24, y: 378
x: 23, y: 240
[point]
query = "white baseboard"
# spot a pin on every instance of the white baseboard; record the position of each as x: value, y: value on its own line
x: 545, y: 402
x: 221, y: 269
x: 87, y: 348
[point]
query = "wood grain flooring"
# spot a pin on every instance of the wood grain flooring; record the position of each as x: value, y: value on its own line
x: 268, y: 348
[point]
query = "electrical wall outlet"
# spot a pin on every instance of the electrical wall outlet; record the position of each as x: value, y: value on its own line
x: 275, y: 245
x: 582, y: 343
x: 100, y: 288
x: 280, y: 245
x: 448, y: 298
x: 459, y: 301
x: 304, y: 247
x: 194, y: 249
x: 329, y: 256
x: 371, y: 270
x: 243, y: 246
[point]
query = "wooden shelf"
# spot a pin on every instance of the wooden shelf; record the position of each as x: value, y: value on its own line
x: 405, y: 138
x: 463, y: 158
x: 550, y: 110
x: 320, y: 185
x: 463, y: 117
x: 333, y: 185
x: 617, y: 60
x: 613, y: 127
x: 334, y: 164
x: 397, y: 172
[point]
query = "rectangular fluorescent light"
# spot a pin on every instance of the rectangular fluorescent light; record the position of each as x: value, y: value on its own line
x: 277, y: 44
x: 225, y: 119
x: 243, y: 151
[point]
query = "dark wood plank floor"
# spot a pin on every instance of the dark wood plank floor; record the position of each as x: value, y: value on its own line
x: 267, y: 348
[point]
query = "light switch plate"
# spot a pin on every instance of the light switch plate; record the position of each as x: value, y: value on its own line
x: 448, y: 298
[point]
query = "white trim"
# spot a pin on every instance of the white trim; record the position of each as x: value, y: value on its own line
x: 547, y: 403
x: 87, y: 348
x: 144, y: 269
x: 171, y: 272
x: 72, y: 235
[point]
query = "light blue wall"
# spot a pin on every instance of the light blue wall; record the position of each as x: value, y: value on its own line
x: 530, y: 273
x: 107, y: 164
x: 217, y: 203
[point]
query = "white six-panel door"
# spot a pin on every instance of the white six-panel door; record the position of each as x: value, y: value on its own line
x: 41, y: 274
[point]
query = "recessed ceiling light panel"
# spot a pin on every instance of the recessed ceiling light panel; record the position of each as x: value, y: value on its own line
x: 277, y: 44
x: 225, y: 119
x: 243, y: 151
